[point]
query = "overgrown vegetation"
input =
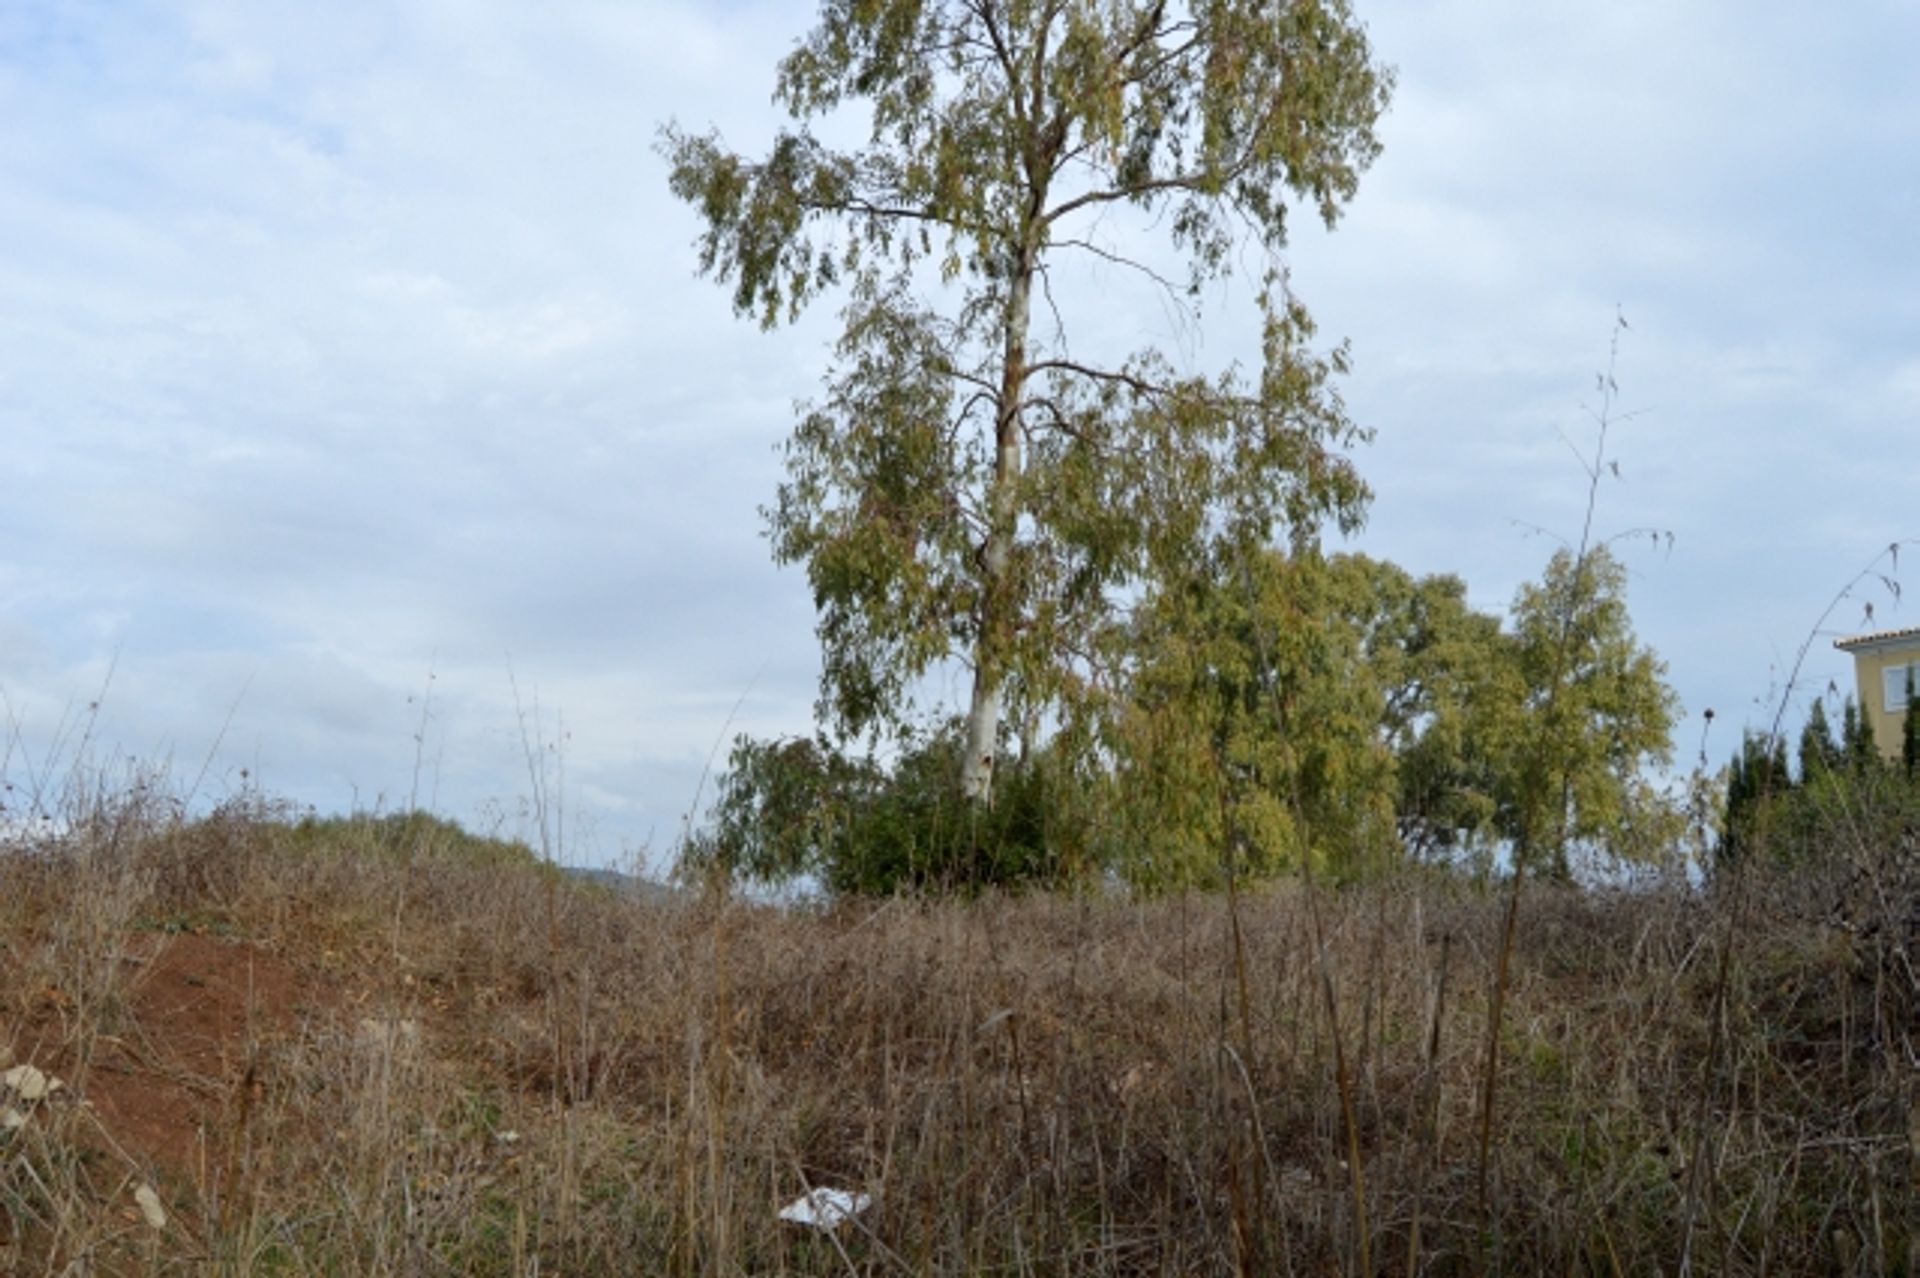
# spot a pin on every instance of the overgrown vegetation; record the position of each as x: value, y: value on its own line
x: 1839, y: 793
x: 1335, y: 708
x: 407, y: 835
x: 442, y: 1063
x: 1846, y: 819
x: 801, y: 809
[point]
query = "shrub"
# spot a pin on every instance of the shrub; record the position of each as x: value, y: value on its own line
x: 799, y: 809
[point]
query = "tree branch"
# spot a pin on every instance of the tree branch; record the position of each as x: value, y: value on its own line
x: 1005, y: 57
x: 1060, y: 423
x: 1172, y: 289
x: 1109, y: 195
x: 1140, y: 385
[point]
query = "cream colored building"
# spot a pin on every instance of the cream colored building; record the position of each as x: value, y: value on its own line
x: 1883, y: 662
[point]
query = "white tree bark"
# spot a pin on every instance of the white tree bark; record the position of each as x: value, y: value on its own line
x: 1003, y: 514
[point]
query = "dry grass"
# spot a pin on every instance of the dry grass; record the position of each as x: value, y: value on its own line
x: 433, y: 1066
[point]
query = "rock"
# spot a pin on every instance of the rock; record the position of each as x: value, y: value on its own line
x: 29, y: 1084
x: 149, y: 1204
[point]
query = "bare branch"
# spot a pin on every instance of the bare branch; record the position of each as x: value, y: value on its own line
x: 1120, y: 260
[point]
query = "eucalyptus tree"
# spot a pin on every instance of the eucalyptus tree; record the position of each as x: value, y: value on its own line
x: 1252, y: 738
x: 1451, y: 695
x: 972, y: 484
x: 1599, y: 713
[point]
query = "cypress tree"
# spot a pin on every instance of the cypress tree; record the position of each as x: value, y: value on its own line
x: 1862, y: 753
x: 1756, y: 778
x: 1740, y: 795
x: 1818, y: 752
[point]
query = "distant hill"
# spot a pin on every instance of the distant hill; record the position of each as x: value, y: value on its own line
x: 617, y: 881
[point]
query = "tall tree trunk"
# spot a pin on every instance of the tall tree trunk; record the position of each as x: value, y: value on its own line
x: 997, y: 604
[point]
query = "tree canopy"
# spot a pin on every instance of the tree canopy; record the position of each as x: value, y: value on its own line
x: 973, y: 484
x: 1342, y: 709
x: 1282, y: 709
x: 1252, y: 734
x: 1598, y: 709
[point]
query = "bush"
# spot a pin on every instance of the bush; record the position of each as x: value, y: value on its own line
x: 408, y: 835
x: 1839, y: 846
x: 801, y: 809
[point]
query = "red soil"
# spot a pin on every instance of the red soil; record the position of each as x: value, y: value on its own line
x: 202, y: 1016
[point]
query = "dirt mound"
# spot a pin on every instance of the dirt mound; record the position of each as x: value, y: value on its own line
x: 201, y: 1018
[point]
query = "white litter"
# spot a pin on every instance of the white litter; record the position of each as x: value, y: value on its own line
x: 149, y: 1204
x: 28, y: 1083
x: 11, y: 1120
x: 825, y: 1208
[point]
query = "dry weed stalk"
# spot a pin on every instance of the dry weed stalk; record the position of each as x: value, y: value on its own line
x: 1031, y: 1086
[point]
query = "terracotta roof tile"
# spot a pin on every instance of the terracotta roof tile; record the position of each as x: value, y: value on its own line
x: 1877, y: 637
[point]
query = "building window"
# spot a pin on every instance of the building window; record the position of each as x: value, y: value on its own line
x: 1893, y: 686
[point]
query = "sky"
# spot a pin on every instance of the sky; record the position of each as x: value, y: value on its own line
x: 368, y: 437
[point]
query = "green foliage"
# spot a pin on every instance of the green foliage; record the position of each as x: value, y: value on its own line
x: 1597, y: 712
x: 967, y: 488
x: 1343, y: 709
x: 409, y: 834
x: 993, y: 122
x: 1277, y: 708
x: 1847, y: 800
x: 1864, y: 816
x: 1451, y: 694
x: 1819, y: 752
x: 1757, y: 782
x: 800, y: 808
x: 1251, y: 733
x: 1093, y: 538
x: 1544, y: 728
x: 1856, y: 737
